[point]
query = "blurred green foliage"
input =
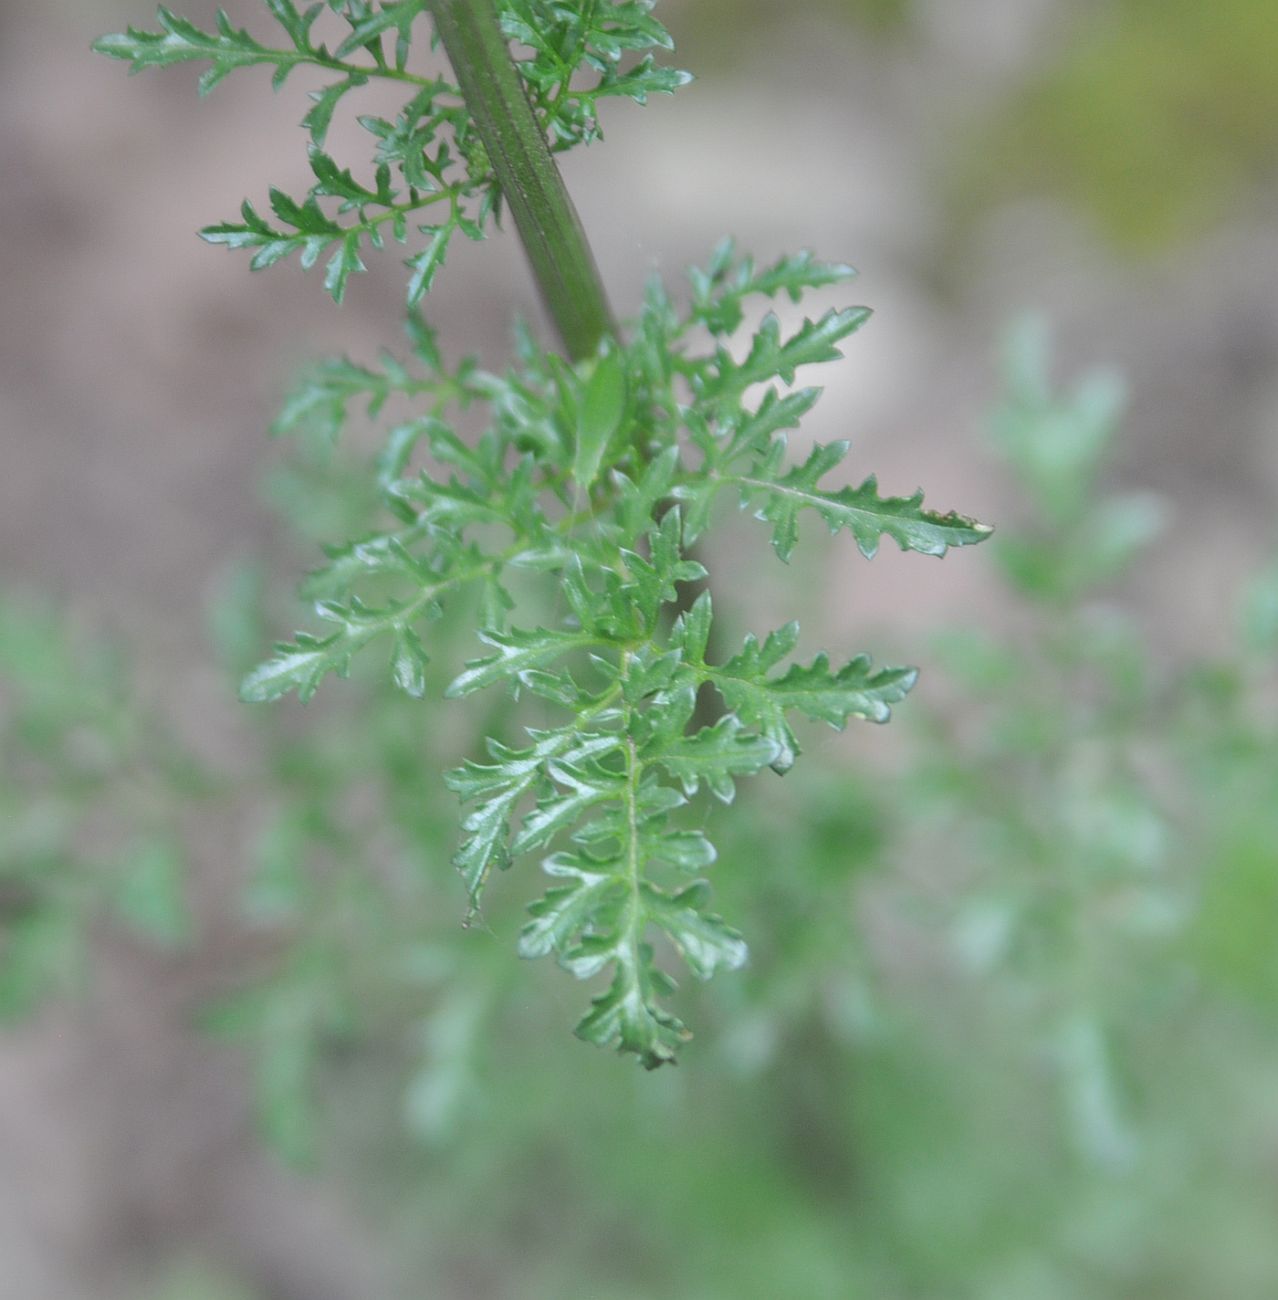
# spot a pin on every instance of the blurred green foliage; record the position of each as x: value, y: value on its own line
x: 193, y: 1281
x: 1156, y: 117
x: 91, y: 799
x: 1008, y: 1027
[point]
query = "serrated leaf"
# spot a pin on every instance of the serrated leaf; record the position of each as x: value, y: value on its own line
x: 644, y: 79
x: 590, y: 900
x: 302, y: 665
x: 338, y: 182
x: 689, y: 851
x: 796, y: 273
x: 579, y: 787
x: 397, y: 16
x: 704, y: 941
x: 861, y: 510
x: 714, y: 756
x: 691, y: 632
x: 425, y: 265
x: 753, y: 432
x: 299, y: 666
x: 322, y: 394
x: 342, y: 265
x: 408, y: 663
x: 320, y: 117
x: 719, y: 291
x: 516, y: 653
x: 295, y: 23
x: 856, y: 690
x: 628, y: 1017
x: 497, y: 789
x: 771, y: 357
x: 181, y: 41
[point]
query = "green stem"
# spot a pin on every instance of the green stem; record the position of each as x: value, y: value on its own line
x: 544, y: 215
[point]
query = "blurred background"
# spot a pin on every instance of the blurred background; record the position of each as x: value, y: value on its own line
x: 1008, y: 1030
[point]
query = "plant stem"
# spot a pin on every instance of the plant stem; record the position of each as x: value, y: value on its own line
x: 544, y: 215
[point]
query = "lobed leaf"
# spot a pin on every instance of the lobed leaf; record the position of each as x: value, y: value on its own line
x: 771, y: 357
x: 303, y: 664
x: 704, y: 941
x: 860, y: 510
x: 628, y: 1016
x: 181, y: 41
x: 855, y: 690
x: 714, y: 756
x: 517, y: 654
x: 573, y: 909
x: 718, y: 291
x: 497, y: 789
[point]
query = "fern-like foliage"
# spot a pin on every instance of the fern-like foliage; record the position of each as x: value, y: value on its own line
x: 597, y: 479
x: 589, y: 484
x: 431, y: 177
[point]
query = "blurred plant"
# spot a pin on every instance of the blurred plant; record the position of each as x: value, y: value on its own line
x: 1156, y: 117
x: 1053, y: 781
x: 1009, y: 1027
x: 1109, y: 818
x: 90, y: 796
x: 1008, y: 1032
x: 997, y: 1037
x: 595, y: 477
x: 194, y: 1282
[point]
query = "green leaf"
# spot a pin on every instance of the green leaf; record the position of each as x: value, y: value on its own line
x: 601, y: 407
x: 149, y: 894
x: 771, y: 357
x: 719, y: 291
x: 579, y: 787
x: 302, y: 665
x: 341, y: 265
x: 298, y: 667
x: 753, y: 431
x: 628, y: 1016
x: 497, y: 789
x: 426, y: 264
x: 295, y: 23
x: 714, y: 755
x: 856, y: 690
x: 689, y: 851
x: 590, y: 900
x: 517, y: 652
x: 691, y: 632
x: 408, y: 663
x: 644, y: 79
x: 319, y: 118
x: 323, y: 393
x: 390, y: 16
x: 703, y: 940
x: 865, y: 514
x: 181, y: 41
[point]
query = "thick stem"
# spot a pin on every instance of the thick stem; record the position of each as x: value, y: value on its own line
x: 544, y: 214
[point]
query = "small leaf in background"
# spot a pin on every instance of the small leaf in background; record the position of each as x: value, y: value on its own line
x: 1260, y: 612
x: 150, y: 893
